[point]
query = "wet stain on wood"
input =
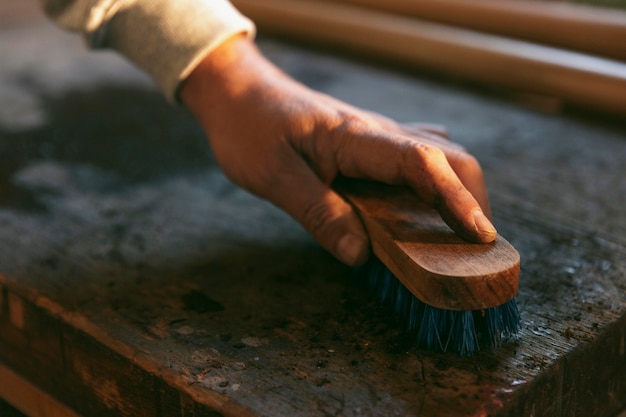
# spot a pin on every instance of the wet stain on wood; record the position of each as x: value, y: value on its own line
x: 200, y: 303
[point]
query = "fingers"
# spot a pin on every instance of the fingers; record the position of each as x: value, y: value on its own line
x: 467, y: 168
x: 464, y: 165
x: 323, y: 213
x: 426, y: 168
x: 458, y: 201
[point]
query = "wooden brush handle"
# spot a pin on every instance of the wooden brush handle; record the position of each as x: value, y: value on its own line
x: 435, y: 264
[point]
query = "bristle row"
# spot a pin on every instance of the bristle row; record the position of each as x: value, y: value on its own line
x: 443, y: 330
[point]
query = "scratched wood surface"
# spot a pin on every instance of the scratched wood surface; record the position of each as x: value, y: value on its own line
x: 136, y: 280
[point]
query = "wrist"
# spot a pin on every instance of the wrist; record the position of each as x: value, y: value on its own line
x: 226, y: 73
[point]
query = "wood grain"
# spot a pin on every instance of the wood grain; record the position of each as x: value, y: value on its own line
x: 120, y: 239
x: 580, y: 79
x: 594, y: 30
x: 436, y: 265
x: 28, y: 398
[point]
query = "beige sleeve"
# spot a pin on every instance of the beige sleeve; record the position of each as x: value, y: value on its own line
x: 165, y: 38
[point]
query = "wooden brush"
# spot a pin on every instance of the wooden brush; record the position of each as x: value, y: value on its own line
x: 453, y: 294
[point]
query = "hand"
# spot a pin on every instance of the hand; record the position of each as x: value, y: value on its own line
x: 286, y: 143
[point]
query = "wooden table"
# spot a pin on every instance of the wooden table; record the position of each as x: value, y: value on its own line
x: 137, y: 281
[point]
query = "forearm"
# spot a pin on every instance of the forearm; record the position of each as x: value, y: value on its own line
x: 165, y: 38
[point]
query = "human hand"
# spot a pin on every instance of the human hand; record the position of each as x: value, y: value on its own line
x: 286, y: 143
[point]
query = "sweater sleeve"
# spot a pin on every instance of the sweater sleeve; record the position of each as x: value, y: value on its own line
x: 165, y: 38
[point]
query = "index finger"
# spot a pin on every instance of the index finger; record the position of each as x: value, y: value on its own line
x: 400, y: 159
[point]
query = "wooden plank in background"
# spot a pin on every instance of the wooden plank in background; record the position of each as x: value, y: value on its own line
x: 594, y: 30
x: 583, y: 80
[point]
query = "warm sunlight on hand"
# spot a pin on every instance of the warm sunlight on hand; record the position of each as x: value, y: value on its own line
x: 286, y: 143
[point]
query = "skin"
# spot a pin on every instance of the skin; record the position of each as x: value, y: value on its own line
x: 286, y: 143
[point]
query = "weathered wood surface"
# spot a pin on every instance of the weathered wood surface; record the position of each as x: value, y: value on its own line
x: 136, y: 280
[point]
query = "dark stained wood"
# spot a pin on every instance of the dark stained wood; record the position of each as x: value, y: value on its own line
x: 9, y: 411
x: 138, y: 281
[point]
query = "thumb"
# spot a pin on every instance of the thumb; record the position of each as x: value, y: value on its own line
x: 335, y: 225
x: 323, y: 213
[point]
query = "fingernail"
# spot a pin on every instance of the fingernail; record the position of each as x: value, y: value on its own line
x: 484, y: 227
x: 352, y: 249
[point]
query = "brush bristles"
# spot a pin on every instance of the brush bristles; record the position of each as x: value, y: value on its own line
x: 443, y: 330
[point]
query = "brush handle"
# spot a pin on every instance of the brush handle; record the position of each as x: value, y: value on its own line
x: 434, y: 263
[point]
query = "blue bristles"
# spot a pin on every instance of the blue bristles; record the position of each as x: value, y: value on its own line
x: 437, y: 329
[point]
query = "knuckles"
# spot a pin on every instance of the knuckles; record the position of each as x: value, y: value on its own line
x: 466, y: 165
x: 318, y: 217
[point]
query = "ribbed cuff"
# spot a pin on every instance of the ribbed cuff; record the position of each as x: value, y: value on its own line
x: 168, y: 38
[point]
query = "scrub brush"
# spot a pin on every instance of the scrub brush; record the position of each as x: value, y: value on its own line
x: 453, y: 295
